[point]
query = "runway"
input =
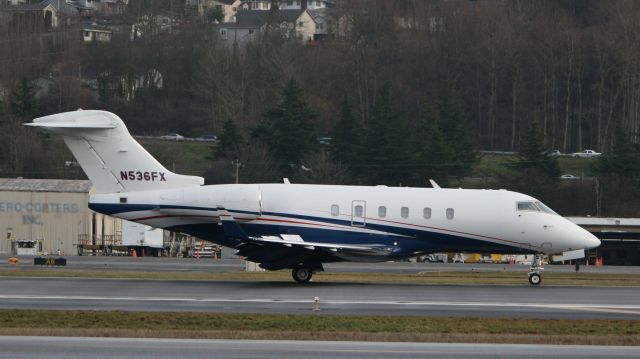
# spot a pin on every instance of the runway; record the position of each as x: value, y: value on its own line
x: 71, y: 348
x: 335, y: 298
x: 165, y: 264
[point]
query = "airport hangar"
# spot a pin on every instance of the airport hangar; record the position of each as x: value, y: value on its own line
x: 49, y: 216
x: 53, y: 217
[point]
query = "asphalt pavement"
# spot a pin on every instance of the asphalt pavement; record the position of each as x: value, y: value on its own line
x: 580, y: 302
x: 97, y: 348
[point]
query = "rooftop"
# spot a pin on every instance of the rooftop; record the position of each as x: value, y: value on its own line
x: 45, y: 185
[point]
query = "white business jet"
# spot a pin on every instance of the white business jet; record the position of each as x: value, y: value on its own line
x: 300, y: 227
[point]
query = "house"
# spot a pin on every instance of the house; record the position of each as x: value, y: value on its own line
x: 247, y: 25
x: 323, y: 23
x: 108, y: 7
x: 228, y: 8
x: 285, y: 4
x: 29, y: 18
x: 98, y: 33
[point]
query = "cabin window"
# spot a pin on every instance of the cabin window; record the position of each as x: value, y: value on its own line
x: 450, y: 213
x: 335, y: 210
x: 358, y: 211
x: 527, y: 206
x: 404, y: 212
x: 426, y: 212
x: 544, y: 208
x: 382, y: 211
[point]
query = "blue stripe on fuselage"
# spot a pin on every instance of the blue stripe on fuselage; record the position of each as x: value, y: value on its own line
x: 420, y: 240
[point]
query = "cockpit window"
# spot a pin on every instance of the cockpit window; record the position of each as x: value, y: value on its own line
x: 527, y: 206
x: 535, y: 206
x: 544, y: 208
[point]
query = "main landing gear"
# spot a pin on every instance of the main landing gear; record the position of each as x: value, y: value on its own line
x: 534, y: 270
x: 302, y: 275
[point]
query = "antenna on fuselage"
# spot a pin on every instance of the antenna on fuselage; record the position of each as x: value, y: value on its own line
x: 434, y: 184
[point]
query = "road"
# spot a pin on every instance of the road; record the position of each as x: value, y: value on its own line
x: 335, y: 298
x: 71, y: 348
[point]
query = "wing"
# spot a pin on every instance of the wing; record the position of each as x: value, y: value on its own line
x: 284, y: 249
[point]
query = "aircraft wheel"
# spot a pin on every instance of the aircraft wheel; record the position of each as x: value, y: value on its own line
x: 535, y: 279
x: 302, y: 275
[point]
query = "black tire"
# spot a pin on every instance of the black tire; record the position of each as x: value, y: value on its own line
x: 302, y: 275
x: 535, y: 279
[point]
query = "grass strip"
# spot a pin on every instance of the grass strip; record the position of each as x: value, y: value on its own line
x: 469, y: 277
x: 317, y: 326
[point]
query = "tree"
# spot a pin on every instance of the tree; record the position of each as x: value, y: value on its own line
x: 387, y: 146
x: 533, y: 172
x: 532, y: 155
x: 623, y: 159
x: 347, y: 138
x: 23, y: 101
x: 452, y: 122
x: 230, y: 141
x: 215, y: 14
x: 288, y: 128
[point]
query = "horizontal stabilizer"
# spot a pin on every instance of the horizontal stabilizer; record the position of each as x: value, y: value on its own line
x: 112, y: 159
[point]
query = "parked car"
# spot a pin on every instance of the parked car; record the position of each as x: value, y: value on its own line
x: 173, y: 136
x: 207, y: 138
x: 324, y: 140
x: 553, y: 153
x: 586, y: 153
x: 569, y: 177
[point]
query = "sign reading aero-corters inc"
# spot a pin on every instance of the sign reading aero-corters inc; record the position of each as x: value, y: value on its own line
x: 52, y: 212
x: 32, y: 211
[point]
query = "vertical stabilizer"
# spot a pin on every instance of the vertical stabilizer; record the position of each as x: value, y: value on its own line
x: 108, y: 154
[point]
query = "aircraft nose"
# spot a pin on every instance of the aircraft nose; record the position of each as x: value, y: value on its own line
x: 592, y: 241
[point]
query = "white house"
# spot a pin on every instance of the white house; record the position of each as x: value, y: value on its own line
x: 285, y: 4
x: 228, y: 7
x: 249, y: 24
x: 97, y: 33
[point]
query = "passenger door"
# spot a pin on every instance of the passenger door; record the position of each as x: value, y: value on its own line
x: 358, y: 213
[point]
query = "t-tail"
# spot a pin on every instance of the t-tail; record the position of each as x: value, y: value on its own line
x: 108, y: 154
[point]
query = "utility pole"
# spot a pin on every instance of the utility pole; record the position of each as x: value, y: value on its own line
x: 237, y: 166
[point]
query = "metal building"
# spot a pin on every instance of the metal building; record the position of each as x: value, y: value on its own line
x: 49, y: 216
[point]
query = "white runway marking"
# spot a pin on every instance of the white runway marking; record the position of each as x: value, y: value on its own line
x: 624, y: 309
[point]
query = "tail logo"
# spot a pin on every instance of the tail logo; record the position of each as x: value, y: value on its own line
x: 142, y: 176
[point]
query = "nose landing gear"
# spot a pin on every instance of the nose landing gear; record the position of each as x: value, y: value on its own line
x: 534, y: 270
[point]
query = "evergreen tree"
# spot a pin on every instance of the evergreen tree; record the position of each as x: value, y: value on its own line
x: 624, y: 158
x: 23, y: 101
x: 347, y: 138
x: 230, y: 140
x: 288, y: 129
x: 532, y: 155
x: 433, y: 154
x: 453, y: 125
x: 387, y: 158
x: 533, y: 172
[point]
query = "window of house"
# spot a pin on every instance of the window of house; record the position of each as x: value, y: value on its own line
x: 426, y: 212
x: 250, y: 31
x: 300, y: 24
x: 404, y: 212
x: 358, y: 211
x: 382, y: 211
x: 450, y: 213
x: 335, y: 210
